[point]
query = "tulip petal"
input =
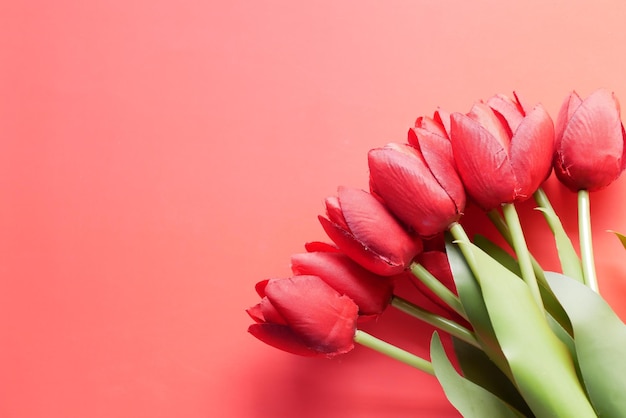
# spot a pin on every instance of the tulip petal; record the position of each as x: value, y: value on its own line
x: 260, y: 287
x: 511, y: 111
x: 532, y: 148
x: 256, y: 313
x: 320, y: 246
x: 443, y: 118
x: 359, y: 252
x: 569, y: 106
x: 372, y: 224
x: 333, y: 210
x: 283, y: 338
x: 485, y: 117
x: 589, y: 155
x: 324, y: 319
x: 482, y: 162
x: 437, y: 152
x: 369, y: 291
x: 399, y: 174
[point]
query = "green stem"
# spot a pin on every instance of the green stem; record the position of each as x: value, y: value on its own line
x: 438, y: 288
x: 586, y: 246
x: 438, y: 321
x: 392, y: 351
x: 521, y: 249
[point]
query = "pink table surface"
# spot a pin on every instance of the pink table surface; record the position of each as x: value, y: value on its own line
x: 158, y: 158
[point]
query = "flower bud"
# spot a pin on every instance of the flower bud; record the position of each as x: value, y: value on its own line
x: 303, y: 315
x: 590, y: 148
x: 366, y: 232
x: 502, y: 155
x: 421, y: 188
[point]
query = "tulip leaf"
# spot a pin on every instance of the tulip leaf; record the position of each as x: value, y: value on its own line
x: 474, y: 306
x: 622, y: 237
x: 498, y: 253
x: 541, y: 364
x: 600, y: 338
x: 570, y: 263
x: 552, y: 305
x: 478, y: 368
x: 470, y: 399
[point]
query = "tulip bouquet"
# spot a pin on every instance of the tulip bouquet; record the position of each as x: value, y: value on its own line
x: 525, y: 341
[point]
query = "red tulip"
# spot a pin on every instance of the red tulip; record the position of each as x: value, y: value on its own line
x: 369, y: 291
x: 502, y: 154
x: 590, y: 141
x: 419, y: 185
x: 303, y: 315
x: 366, y: 232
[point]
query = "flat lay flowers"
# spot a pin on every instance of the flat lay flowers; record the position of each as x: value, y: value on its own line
x: 525, y: 341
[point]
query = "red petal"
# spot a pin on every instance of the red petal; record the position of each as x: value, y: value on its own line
x: 324, y: 319
x: 371, y: 223
x: 437, y: 152
x: 443, y: 118
x: 532, y: 149
x: 333, y: 210
x: 320, y: 246
x: 399, y: 174
x: 511, y: 111
x: 260, y: 288
x: 369, y: 291
x: 283, y: 338
x: 569, y: 106
x: 256, y: 313
x: 482, y: 162
x: 488, y: 120
x: 358, y: 252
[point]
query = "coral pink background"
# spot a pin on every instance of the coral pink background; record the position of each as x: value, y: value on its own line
x: 157, y: 158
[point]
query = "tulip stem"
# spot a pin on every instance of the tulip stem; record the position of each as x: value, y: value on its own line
x: 435, y: 320
x: 521, y: 249
x: 394, y: 352
x: 503, y: 229
x: 438, y: 288
x: 570, y: 263
x: 586, y: 246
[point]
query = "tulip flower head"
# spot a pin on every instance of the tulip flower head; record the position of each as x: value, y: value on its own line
x: 303, y: 315
x: 422, y: 189
x: 590, y: 141
x: 503, y: 153
x: 366, y: 232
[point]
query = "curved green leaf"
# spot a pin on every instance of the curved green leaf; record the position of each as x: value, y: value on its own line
x: 541, y: 364
x: 470, y: 399
x: 497, y: 252
x: 474, y: 306
x: 600, y: 339
x: 550, y: 302
x: 478, y: 368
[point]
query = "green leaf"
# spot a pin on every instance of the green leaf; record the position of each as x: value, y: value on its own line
x: 550, y: 302
x: 570, y: 263
x: 541, y: 364
x: 498, y: 253
x: 474, y: 306
x: 600, y: 338
x: 622, y: 238
x: 470, y: 399
x: 478, y: 368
